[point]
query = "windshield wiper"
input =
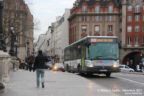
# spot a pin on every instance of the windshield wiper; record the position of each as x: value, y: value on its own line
x: 104, y: 57
x: 113, y: 58
x: 97, y: 57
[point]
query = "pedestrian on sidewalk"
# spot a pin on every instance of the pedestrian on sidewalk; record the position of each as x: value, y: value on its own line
x: 31, y: 59
x: 140, y: 66
x: 39, y: 66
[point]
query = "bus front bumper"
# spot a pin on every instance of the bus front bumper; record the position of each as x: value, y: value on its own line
x: 102, y: 69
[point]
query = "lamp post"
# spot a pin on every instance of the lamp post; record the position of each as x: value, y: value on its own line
x: 2, y: 42
x: 16, y: 45
x: 11, y: 52
x: 28, y: 50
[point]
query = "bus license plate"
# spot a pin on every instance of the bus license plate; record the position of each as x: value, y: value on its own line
x: 103, y: 70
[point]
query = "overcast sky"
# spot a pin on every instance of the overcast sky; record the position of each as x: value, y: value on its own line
x: 45, y: 12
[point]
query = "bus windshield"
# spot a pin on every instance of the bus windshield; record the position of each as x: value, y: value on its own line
x: 104, y: 51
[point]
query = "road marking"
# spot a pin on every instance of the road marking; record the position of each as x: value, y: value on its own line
x: 131, y: 80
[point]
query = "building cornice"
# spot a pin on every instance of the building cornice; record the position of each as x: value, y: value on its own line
x: 92, y: 14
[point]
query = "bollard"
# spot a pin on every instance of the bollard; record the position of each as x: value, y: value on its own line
x: 4, y: 67
x: 14, y: 64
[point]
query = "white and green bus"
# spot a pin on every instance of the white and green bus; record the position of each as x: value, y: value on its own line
x: 93, y: 54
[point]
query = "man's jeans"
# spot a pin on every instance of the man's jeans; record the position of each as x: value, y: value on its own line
x: 38, y: 73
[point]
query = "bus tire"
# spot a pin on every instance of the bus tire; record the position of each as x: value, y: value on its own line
x: 108, y: 74
x: 79, y: 69
x: 89, y: 73
x: 67, y: 68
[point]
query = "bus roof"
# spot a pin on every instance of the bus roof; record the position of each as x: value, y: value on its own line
x: 91, y: 37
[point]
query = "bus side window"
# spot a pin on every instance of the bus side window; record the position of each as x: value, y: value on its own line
x: 87, y: 52
x: 83, y: 55
x: 78, y: 50
x: 67, y: 54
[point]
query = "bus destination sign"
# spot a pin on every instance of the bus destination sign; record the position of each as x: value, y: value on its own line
x: 93, y: 40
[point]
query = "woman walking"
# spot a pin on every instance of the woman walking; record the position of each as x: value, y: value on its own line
x: 39, y: 66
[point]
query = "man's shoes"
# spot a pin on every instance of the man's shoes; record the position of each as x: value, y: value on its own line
x: 42, y: 85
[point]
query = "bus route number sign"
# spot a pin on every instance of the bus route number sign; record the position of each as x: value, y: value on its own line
x: 92, y: 40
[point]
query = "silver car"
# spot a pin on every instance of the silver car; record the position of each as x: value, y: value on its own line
x: 125, y: 68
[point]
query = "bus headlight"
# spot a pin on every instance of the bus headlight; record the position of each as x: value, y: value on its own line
x: 55, y: 67
x: 115, y: 65
x: 89, y: 64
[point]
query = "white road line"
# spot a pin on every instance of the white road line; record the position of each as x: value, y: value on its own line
x: 132, y: 81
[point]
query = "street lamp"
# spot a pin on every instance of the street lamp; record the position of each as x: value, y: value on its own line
x: 2, y: 42
x: 28, y: 50
x: 11, y: 52
x: 16, y: 45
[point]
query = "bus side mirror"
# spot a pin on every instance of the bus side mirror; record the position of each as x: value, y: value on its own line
x: 119, y: 45
x: 87, y: 43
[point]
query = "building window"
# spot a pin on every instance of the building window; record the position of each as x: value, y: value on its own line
x: 97, y: 28
x: 129, y: 41
x: 84, y: 9
x: 143, y: 28
x: 137, y: 28
x: 109, y: 28
x: 136, y: 40
x: 137, y: 17
x: 17, y: 5
x: 97, y: 9
x: 130, y: 8
x: 129, y: 18
x: 137, y: 8
x: 83, y: 18
x: 109, y: 18
x: 129, y: 28
x: 84, y: 29
x: 110, y: 9
x: 143, y: 17
x: 143, y: 40
x: 97, y: 18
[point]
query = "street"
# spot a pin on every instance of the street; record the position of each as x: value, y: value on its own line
x: 22, y: 83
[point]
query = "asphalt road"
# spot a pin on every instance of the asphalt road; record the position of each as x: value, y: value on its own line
x: 23, y: 83
x: 122, y: 84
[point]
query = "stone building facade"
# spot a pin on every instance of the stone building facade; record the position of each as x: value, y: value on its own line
x: 62, y: 35
x: 18, y: 18
x: 132, y: 32
x: 121, y: 18
x: 94, y: 17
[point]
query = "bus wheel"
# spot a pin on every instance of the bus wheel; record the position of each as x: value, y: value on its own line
x: 89, y: 73
x: 67, y: 68
x: 108, y: 74
x: 79, y: 69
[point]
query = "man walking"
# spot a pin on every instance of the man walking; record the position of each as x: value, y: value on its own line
x: 31, y: 59
x: 39, y: 66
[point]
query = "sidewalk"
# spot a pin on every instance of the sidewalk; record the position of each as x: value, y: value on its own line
x: 23, y: 83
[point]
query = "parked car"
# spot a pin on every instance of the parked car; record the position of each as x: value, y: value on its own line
x: 58, y: 67
x: 125, y: 68
x: 49, y: 65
